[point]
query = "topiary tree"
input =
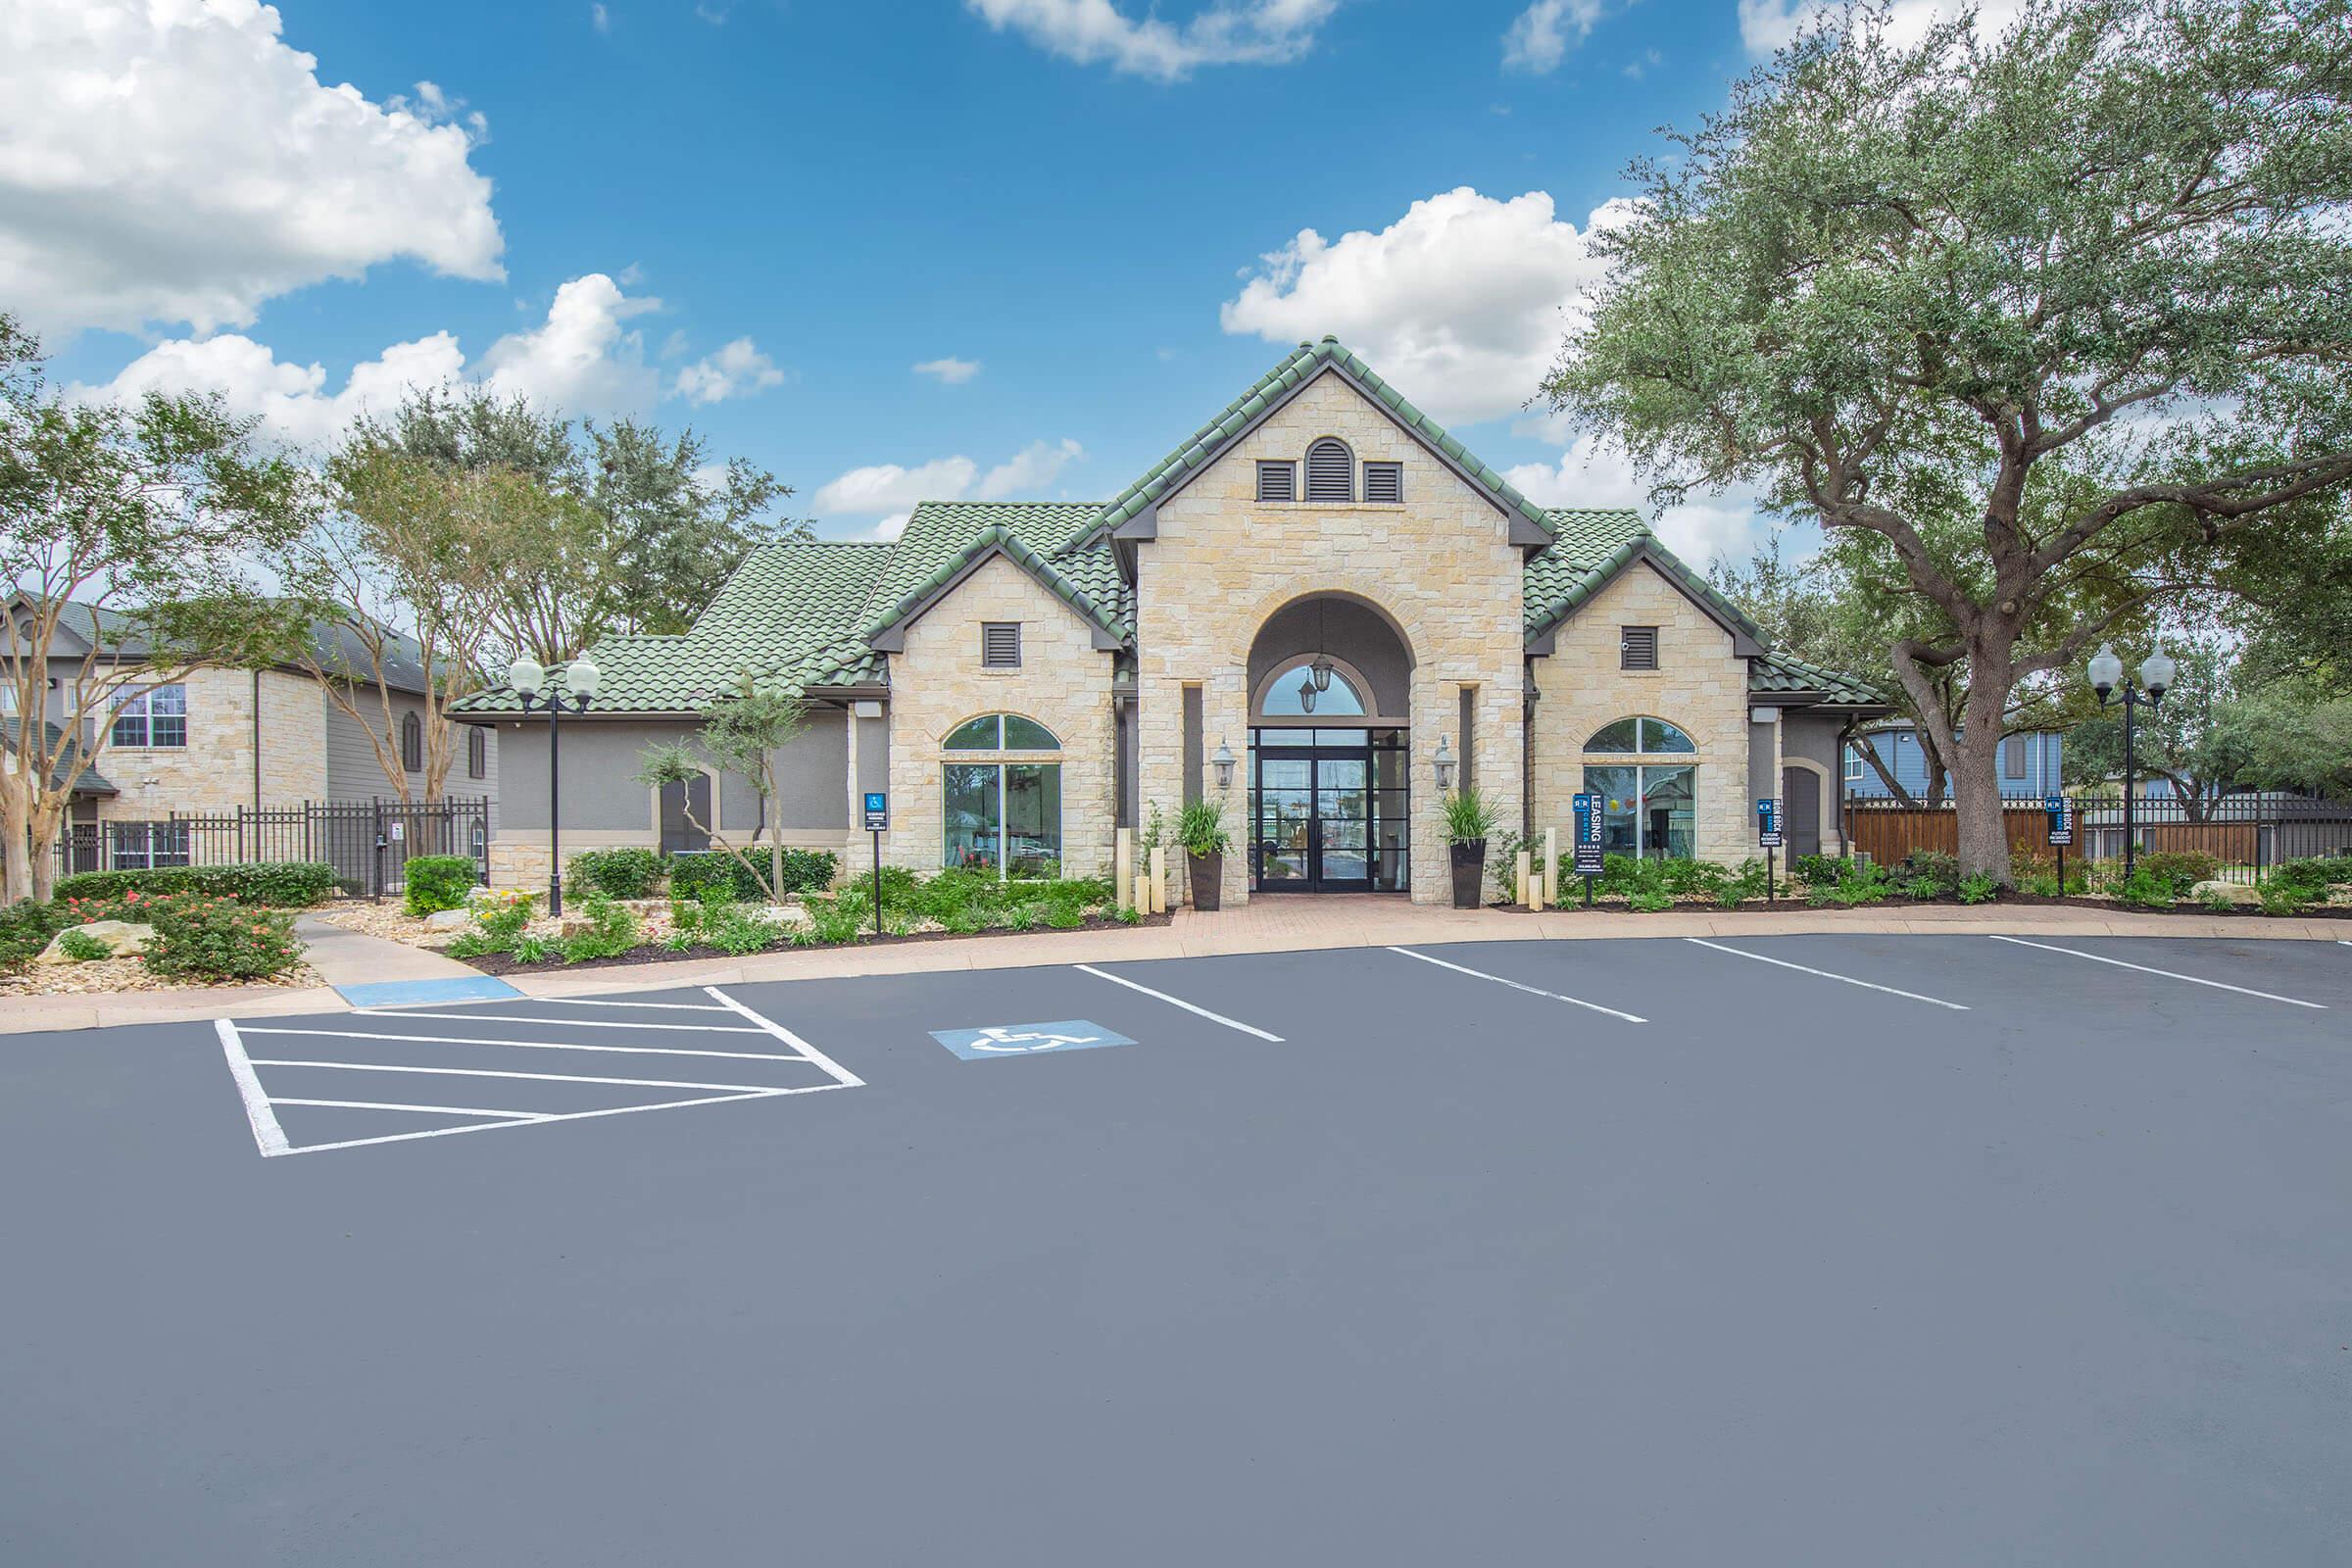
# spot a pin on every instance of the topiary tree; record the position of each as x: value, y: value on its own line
x: 742, y: 733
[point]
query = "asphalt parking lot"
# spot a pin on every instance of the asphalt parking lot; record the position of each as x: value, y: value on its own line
x: 1825, y: 1249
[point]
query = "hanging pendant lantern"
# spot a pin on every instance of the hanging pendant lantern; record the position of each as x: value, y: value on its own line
x: 1306, y: 695
x: 1320, y: 670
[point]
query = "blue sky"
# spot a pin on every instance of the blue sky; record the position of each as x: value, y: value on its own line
x: 761, y: 216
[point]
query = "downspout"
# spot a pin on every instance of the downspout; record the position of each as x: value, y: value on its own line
x: 1527, y: 755
x: 256, y: 742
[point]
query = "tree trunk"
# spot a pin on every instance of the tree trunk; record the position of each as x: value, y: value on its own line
x: 1984, y: 829
x: 15, y: 839
x: 41, y: 863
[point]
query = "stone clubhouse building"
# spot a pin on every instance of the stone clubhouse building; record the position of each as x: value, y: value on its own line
x: 1314, y: 607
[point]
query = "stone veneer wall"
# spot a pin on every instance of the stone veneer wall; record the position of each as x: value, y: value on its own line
x: 1440, y: 566
x: 1700, y: 685
x: 214, y: 771
x: 1063, y: 682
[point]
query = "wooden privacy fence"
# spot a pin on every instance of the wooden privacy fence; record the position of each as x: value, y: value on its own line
x: 2245, y: 834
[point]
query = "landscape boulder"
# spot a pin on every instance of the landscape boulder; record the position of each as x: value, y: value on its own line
x: 122, y: 938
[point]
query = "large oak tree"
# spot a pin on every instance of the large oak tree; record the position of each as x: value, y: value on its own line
x: 2043, y: 330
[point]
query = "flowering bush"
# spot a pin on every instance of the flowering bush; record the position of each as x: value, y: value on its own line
x: 217, y: 938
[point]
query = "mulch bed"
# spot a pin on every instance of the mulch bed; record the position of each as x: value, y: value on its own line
x: 506, y: 963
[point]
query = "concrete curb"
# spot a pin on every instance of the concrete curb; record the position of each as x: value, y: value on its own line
x: 1290, y: 927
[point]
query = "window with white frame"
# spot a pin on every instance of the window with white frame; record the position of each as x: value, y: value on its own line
x: 1003, y: 814
x: 1648, y: 789
x: 144, y: 846
x: 155, y: 717
x: 1853, y: 765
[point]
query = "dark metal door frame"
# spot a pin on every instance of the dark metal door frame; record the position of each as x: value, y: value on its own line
x: 1314, y: 881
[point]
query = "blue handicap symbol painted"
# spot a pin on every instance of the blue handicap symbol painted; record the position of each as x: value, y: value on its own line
x: 1027, y: 1039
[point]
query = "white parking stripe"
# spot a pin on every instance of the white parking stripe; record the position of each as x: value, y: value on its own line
x: 2169, y: 974
x: 1847, y: 979
x: 1179, y: 1001
x: 266, y: 1131
x: 531, y: 1045
x: 596, y: 1002
x: 538, y: 1077
x: 1533, y: 991
x: 841, y: 1075
x: 423, y: 1110
x: 574, y: 1023
x: 537, y: 1121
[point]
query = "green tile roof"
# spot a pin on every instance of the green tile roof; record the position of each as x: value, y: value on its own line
x: 1296, y: 368
x: 942, y: 537
x: 789, y: 616
x: 1779, y: 673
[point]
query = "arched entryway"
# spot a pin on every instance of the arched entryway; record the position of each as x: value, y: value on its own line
x: 1327, y: 804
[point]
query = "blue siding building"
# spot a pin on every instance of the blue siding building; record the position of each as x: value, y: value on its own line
x: 2028, y: 767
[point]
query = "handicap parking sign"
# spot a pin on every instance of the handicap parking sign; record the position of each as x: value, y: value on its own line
x: 1027, y: 1039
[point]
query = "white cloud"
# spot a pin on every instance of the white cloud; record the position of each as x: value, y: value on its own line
x: 890, y: 490
x: 1229, y: 32
x: 884, y: 487
x: 736, y: 370
x: 582, y: 361
x: 1462, y: 300
x: 1031, y: 468
x: 291, y: 399
x: 163, y: 161
x: 1769, y: 24
x: 889, y: 527
x: 1591, y: 475
x: 600, y: 19
x: 950, y: 371
x: 1540, y: 38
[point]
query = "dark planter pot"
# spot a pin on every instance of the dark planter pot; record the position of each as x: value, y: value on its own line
x: 1469, y: 873
x: 1208, y: 877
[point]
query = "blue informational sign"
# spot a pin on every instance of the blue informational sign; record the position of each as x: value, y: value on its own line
x: 1027, y: 1039
x: 1587, y: 835
x: 1768, y: 821
x: 877, y: 811
x: 2062, y: 820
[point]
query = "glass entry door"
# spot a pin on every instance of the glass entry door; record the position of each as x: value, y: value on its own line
x: 1318, y: 818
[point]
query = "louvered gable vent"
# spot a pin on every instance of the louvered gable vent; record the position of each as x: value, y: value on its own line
x: 1000, y: 644
x: 1640, y: 646
x: 1329, y: 472
x: 1384, y: 481
x: 1277, y: 481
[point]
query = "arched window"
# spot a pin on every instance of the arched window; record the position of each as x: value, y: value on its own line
x: 1647, y: 809
x: 999, y: 814
x: 1286, y: 694
x: 411, y: 743
x: 1329, y: 472
x: 477, y: 753
x: 1632, y: 737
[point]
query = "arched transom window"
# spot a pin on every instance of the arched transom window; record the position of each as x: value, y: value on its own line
x: 1293, y: 694
x: 1000, y: 814
x: 1648, y: 807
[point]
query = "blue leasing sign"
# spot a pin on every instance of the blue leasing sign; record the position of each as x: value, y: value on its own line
x: 2062, y: 820
x: 1027, y: 1039
x: 1768, y: 821
x: 1587, y: 835
x: 877, y: 811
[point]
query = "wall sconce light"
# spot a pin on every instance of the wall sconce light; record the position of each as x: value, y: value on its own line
x: 1444, y: 764
x: 1223, y: 761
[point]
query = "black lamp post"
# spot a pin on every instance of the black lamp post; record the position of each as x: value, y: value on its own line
x: 570, y: 689
x: 2156, y: 672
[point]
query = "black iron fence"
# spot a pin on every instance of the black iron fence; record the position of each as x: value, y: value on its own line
x: 2246, y: 835
x: 369, y: 843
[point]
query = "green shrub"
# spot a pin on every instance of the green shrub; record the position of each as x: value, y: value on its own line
x: 1469, y: 816
x: 612, y: 930
x: 83, y: 947
x: 2177, y: 870
x: 1979, y: 889
x: 1128, y: 914
x: 1811, y: 868
x: 1925, y: 887
x: 437, y: 882
x: 693, y: 872
x: 1855, y: 883
x: 2144, y: 890
x: 837, y: 920
x: 1062, y: 916
x: 1649, y: 900
x: 26, y: 928
x: 732, y: 928
x: 1200, y: 826
x: 500, y: 926
x: 284, y: 884
x: 537, y: 949
x: 1926, y: 874
x: 2216, y: 902
x: 220, y: 939
x: 623, y: 874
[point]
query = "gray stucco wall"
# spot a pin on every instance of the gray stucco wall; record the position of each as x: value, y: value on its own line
x: 353, y: 773
x: 1761, y: 780
x: 873, y: 752
x: 602, y: 791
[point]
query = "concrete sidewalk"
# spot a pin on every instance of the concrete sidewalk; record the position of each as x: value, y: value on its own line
x: 1264, y: 925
